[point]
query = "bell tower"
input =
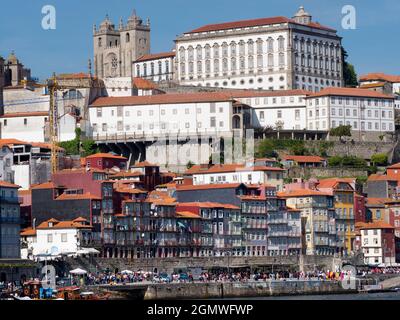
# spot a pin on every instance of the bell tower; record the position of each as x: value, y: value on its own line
x: 302, y: 16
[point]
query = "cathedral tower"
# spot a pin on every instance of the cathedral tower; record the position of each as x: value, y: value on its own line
x: 116, y: 49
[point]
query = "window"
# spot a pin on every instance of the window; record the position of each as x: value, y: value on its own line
x: 104, y: 127
x: 49, y: 238
x: 279, y: 114
x: 212, y: 122
x: 64, y: 237
x: 25, y: 121
x: 98, y: 111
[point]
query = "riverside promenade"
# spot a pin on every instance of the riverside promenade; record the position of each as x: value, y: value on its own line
x: 221, y: 290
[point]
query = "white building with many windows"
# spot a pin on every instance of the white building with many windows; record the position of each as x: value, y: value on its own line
x: 275, y: 53
x: 155, y: 67
x: 369, y: 113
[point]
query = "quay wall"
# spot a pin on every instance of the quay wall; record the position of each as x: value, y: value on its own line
x: 240, y: 290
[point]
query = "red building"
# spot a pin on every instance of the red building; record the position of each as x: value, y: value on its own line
x: 393, y: 172
x: 104, y: 161
x: 359, y: 208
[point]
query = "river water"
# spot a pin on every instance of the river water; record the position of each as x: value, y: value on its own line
x: 353, y: 296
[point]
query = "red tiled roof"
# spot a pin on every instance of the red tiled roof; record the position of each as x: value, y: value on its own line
x: 28, y: 232
x: 374, y: 225
x: 84, y: 196
x: 144, y: 84
x: 156, y: 56
x: 207, y: 186
x: 302, y: 193
x: 25, y: 114
x: 187, y: 214
x: 377, y: 201
x: 5, y: 184
x: 394, y: 166
x: 372, y: 85
x: 80, y: 75
x: 161, y: 99
x: 380, y: 177
x: 130, y: 190
x: 380, y: 76
x: 265, y: 93
x: 217, y: 168
x: 305, y: 159
x: 46, y: 185
x: 252, y: 23
x: 351, y: 92
x: 105, y: 155
x: 332, y: 182
x: 63, y: 225
x: 144, y: 164
x: 207, y: 204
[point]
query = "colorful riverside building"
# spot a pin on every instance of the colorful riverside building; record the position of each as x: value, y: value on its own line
x: 317, y: 219
x: 343, y: 193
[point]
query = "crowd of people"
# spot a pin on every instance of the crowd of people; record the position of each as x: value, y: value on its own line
x: 116, y: 278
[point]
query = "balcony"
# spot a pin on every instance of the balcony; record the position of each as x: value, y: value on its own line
x: 278, y: 234
x: 294, y: 246
x: 11, y: 200
x: 277, y: 221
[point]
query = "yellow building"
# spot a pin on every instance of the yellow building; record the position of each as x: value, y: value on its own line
x: 343, y: 191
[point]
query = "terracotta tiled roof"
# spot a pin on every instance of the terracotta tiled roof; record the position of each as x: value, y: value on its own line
x: 394, y: 166
x: 28, y: 232
x: 207, y: 204
x: 380, y: 177
x: 375, y: 225
x: 144, y: 84
x: 332, y: 182
x: 208, y: 186
x: 302, y: 193
x: 161, y: 99
x: 187, y: 214
x: 84, y: 196
x: 130, y: 190
x: 304, y: 159
x: 350, y: 92
x: 372, y: 85
x: 380, y: 76
x: 144, y: 164
x: 105, y: 155
x: 80, y: 75
x: 156, y: 56
x: 5, y: 184
x: 265, y: 93
x: 25, y: 114
x: 217, y: 168
x: 252, y: 23
x: 377, y: 201
x: 63, y: 225
x: 46, y: 185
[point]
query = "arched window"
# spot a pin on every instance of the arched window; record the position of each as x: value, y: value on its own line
x: 233, y: 49
x: 127, y: 37
x: 216, y: 65
x: 224, y: 50
x: 224, y: 65
x: 281, y: 43
x: 208, y: 66
x: 166, y: 67
x: 72, y: 94
x: 99, y: 42
x: 250, y: 46
x: 159, y: 67
x: 190, y: 53
x: 199, y: 52
x: 260, y: 46
x: 137, y: 71
x: 242, y: 48
x: 144, y: 69
x: 251, y: 62
x: 207, y: 49
x: 183, y: 68
x: 216, y: 50
x: 152, y: 68
x: 270, y: 60
x: 182, y: 53
x: 233, y: 64
x: 282, y: 59
x: 199, y: 67
x: 242, y: 64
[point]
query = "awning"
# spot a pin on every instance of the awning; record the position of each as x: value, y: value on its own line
x: 78, y: 271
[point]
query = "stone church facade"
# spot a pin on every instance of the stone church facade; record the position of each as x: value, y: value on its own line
x: 115, y: 49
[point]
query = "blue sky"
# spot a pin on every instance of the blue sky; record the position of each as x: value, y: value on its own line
x: 373, y: 46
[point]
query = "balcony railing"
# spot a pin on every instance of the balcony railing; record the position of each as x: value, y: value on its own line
x: 11, y: 200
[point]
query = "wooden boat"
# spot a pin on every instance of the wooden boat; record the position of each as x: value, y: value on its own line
x: 74, y: 293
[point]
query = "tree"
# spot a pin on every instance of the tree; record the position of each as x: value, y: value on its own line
x: 266, y: 148
x: 341, y: 131
x: 77, y: 146
x: 189, y: 164
x: 379, y: 159
x: 349, y: 73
